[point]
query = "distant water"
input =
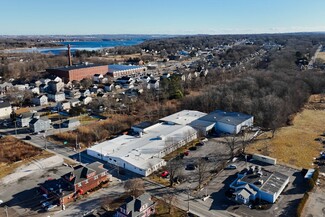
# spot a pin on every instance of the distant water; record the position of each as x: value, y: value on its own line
x: 81, y: 45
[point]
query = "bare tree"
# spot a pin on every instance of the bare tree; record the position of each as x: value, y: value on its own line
x: 134, y: 187
x: 202, y: 171
x: 174, y: 169
x: 170, y: 200
x: 231, y: 142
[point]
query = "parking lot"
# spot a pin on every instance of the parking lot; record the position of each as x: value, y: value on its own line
x: 285, y: 205
x: 212, y: 153
x: 23, y: 197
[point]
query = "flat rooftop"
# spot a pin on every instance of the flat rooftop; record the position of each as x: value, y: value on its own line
x: 140, y: 151
x: 116, y: 67
x: 272, y: 181
x: 232, y: 118
x: 184, y: 117
x: 73, y: 67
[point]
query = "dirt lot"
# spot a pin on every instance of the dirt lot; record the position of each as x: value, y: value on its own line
x: 14, y: 153
x: 295, y: 145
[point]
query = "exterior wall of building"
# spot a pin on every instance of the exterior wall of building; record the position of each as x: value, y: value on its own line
x: 5, y: 112
x: 248, y: 123
x: 40, y: 125
x: 79, y: 74
x: 128, y: 166
x: 23, y: 122
x: 227, y: 128
x: 127, y: 72
x: 91, y: 183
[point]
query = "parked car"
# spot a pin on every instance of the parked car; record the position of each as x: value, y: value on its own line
x: 204, y: 140
x: 231, y: 167
x: 50, y: 207
x: 28, y: 138
x: 199, y: 144
x: 193, y: 148
x: 186, y: 153
x: 190, y: 167
x: 1, y: 201
x: 165, y: 174
x: 46, y: 204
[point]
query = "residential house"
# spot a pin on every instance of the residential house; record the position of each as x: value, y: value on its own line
x: 21, y: 86
x: 77, y: 182
x: 72, y: 93
x: 35, y: 83
x: 85, y: 100
x: 74, y: 102
x: 97, y: 77
x: 108, y: 87
x: 63, y: 106
x: 93, y: 89
x: 125, y: 79
x: 135, y: 207
x: 43, y: 88
x: 35, y: 90
x: 45, y: 80
x: 71, y: 123
x: 39, y: 124
x: 5, y: 109
x: 165, y: 75
x: 23, y: 119
x: 40, y: 100
x: 4, y: 87
x: 56, y: 97
x: 54, y: 86
x: 153, y: 84
x: 84, y: 92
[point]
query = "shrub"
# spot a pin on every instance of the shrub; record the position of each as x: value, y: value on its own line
x: 302, y: 204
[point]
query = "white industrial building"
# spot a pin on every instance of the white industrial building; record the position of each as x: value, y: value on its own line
x: 220, y: 121
x: 143, y: 153
x: 228, y: 122
x: 117, y: 71
x: 256, y: 183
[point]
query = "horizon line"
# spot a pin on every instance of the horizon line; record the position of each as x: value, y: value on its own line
x: 166, y: 34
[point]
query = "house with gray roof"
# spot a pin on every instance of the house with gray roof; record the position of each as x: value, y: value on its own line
x: 40, y: 100
x: 77, y: 182
x: 39, y: 124
x: 23, y: 119
x: 133, y: 207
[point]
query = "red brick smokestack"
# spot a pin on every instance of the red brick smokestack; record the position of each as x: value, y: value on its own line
x: 69, y: 55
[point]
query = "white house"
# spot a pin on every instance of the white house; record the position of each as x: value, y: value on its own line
x: 40, y: 100
x: 143, y: 154
x: 97, y: 77
x: 153, y: 84
x: 56, y: 97
x: 5, y: 109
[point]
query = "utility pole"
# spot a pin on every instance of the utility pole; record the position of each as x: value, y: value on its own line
x: 15, y: 127
x: 45, y: 140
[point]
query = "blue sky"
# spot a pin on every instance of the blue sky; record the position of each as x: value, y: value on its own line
x: 160, y: 16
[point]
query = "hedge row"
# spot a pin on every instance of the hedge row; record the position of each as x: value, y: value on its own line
x: 302, y: 204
